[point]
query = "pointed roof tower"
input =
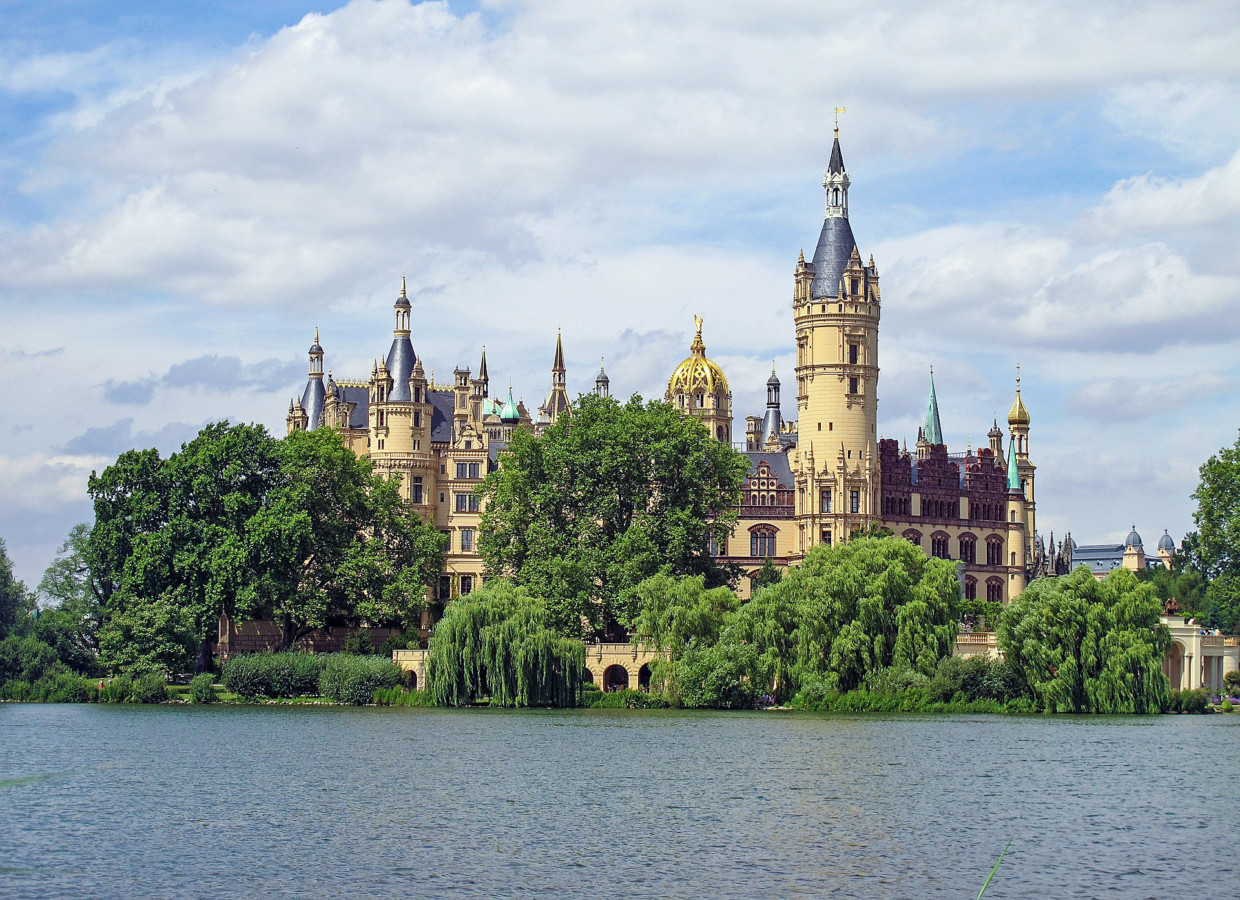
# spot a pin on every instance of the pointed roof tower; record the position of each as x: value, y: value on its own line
x: 314, y: 397
x: 400, y: 357
x: 934, y: 430
x: 1013, y: 470
x: 557, y: 402
x: 602, y: 384
x: 483, y: 378
x: 835, y: 242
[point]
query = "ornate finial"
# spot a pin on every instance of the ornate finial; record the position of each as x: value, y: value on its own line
x: 932, y: 371
x: 402, y: 287
x: 838, y: 110
x: 1018, y: 378
x: 601, y: 361
x: 697, y: 320
x: 316, y: 334
x: 772, y: 366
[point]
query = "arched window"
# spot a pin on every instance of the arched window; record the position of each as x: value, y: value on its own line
x: 912, y: 536
x: 968, y: 549
x: 970, y: 588
x: 994, y: 550
x: 938, y: 545
x: 762, y: 540
x: 994, y: 590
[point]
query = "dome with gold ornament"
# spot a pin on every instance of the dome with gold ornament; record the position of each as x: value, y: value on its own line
x: 697, y: 374
x: 1018, y: 414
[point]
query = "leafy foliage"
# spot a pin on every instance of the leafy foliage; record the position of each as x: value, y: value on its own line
x: 354, y: 679
x: 1218, y: 512
x: 71, y: 612
x: 202, y: 688
x: 497, y: 643
x: 1081, y: 645
x: 289, y: 674
x: 608, y: 496
x: 154, y: 637
x: 15, y: 602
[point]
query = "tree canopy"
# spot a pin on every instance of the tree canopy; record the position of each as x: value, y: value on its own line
x: 496, y: 643
x: 608, y: 496
x: 1088, y: 646
x: 242, y: 524
x: 846, y: 613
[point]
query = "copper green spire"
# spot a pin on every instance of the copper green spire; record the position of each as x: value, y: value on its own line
x: 1013, y: 470
x: 934, y: 430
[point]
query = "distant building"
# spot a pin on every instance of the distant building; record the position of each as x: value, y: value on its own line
x: 1102, y: 559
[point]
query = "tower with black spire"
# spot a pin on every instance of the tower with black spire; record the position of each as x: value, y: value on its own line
x: 836, y: 307
x: 557, y: 402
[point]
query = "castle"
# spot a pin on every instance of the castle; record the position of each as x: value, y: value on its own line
x: 817, y: 480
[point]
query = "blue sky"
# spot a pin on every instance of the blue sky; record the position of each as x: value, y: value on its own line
x: 187, y: 189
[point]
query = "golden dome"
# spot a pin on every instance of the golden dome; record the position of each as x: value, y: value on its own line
x: 1018, y: 415
x: 697, y: 373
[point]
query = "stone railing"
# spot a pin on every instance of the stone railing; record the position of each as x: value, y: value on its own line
x: 977, y: 643
x: 1218, y: 640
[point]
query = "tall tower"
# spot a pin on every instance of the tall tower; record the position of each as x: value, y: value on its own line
x: 836, y: 306
x: 558, y: 402
x: 602, y: 384
x: 1018, y: 425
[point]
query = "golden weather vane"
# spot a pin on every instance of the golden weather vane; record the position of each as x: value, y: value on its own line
x: 838, y: 110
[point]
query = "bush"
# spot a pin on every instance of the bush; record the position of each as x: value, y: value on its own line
x: 399, y: 696
x: 1227, y: 706
x: 69, y: 688
x: 816, y: 694
x: 149, y: 689
x: 202, y: 688
x: 15, y: 690
x: 409, y: 640
x: 116, y: 690
x: 359, y: 643
x: 1231, y: 681
x: 291, y: 674
x: 354, y: 679
x: 1194, y: 701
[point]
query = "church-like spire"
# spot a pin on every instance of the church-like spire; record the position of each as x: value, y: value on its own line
x: 602, y: 384
x: 557, y: 366
x: 483, y: 379
x: 934, y: 430
x: 1013, y: 470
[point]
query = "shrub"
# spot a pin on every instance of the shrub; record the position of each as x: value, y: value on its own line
x: 1231, y: 681
x: 291, y: 674
x: 202, y: 688
x: 399, y: 696
x: 116, y: 690
x: 1227, y: 706
x: 15, y: 690
x: 815, y: 694
x: 149, y: 689
x: 358, y: 643
x: 1194, y: 701
x: 409, y: 640
x: 354, y: 679
x: 69, y: 688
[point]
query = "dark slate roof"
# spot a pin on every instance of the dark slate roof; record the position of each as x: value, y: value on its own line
x: 360, y: 398
x: 772, y: 422
x: 494, y: 449
x: 1166, y: 542
x: 400, y: 366
x: 778, y: 463
x: 442, y: 403
x: 312, y: 401
x: 837, y: 159
x: 835, y: 246
x: 1099, y: 557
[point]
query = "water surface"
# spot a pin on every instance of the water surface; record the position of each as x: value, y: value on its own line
x: 117, y: 801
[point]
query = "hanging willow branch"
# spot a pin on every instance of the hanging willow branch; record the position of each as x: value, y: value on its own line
x: 494, y: 644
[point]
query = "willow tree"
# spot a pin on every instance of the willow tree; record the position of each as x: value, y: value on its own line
x: 1087, y: 646
x: 497, y: 644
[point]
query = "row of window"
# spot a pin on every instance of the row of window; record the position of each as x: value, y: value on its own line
x: 826, y: 501
x: 939, y: 547
x: 945, y: 509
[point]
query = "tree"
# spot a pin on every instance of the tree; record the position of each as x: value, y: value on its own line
x: 1218, y: 513
x: 153, y: 637
x: 675, y: 613
x: 15, y: 602
x: 765, y: 576
x: 337, y: 541
x: 846, y: 613
x: 608, y: 496
x: 1081, y: 645
x: 496, y: 643
x: 71, y: 612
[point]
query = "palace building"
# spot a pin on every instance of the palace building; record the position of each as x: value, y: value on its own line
x: 816, y: 480
x: 829, y: 475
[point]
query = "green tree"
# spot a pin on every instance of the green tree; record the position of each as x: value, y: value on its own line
x: 496, y: 643
x: 674, y: 613
x: 846, y: 613
x: 1081, y: 645
x: 71, y: 612
x: 337, y: 541
x: 608, y: 496
x: 766, y: 576
x: 1218, y: 513
x: 149, y: 637
x: 15, y: 602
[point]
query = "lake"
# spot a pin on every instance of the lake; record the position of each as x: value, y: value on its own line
x: 118, y: 801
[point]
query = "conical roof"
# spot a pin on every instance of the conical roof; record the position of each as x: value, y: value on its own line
x: 934, y: 430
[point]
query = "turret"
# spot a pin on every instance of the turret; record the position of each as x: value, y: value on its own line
x: 557, y: 402
x: 313, y: 398
x: 934, y: 429
x: 399, y: 361
x: 602, y: 384
x: 773, y: 421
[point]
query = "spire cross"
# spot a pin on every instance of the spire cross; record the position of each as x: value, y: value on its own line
x: 838, y: 110
x: 1018, y: 378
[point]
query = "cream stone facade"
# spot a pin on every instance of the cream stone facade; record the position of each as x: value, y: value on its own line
x: 610, y: 667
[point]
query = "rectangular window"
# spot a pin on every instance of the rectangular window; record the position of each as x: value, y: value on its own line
x: 380, y: 443
x: 460, y: 401
x: 467, y: 584
x: 467, y: 540
x: 462, y: 501
x: 415, y: 489
x: 852, y: 354
x: 826, y: 536
x: 854, y: 501
x: 445, y: 587
x: 852, y: 384
x: 826, y: 501
x: 461, y: 469
x: 417, y: 420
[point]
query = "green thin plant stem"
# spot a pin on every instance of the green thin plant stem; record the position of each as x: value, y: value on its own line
x: 986, y: 884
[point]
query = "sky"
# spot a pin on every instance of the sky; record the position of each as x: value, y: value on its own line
x: 187, y: 190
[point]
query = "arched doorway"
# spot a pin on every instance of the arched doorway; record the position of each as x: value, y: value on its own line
x: 616, y: 678
x: 1173, y: 665
x: 587, y: 677
x: 643, y: 677
x: 411, y: 680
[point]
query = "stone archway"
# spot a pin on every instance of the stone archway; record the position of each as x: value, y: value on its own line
x: 615, y: 678
x: 587, y: 676
x: 643, y: 677
x: 1173, y: 665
